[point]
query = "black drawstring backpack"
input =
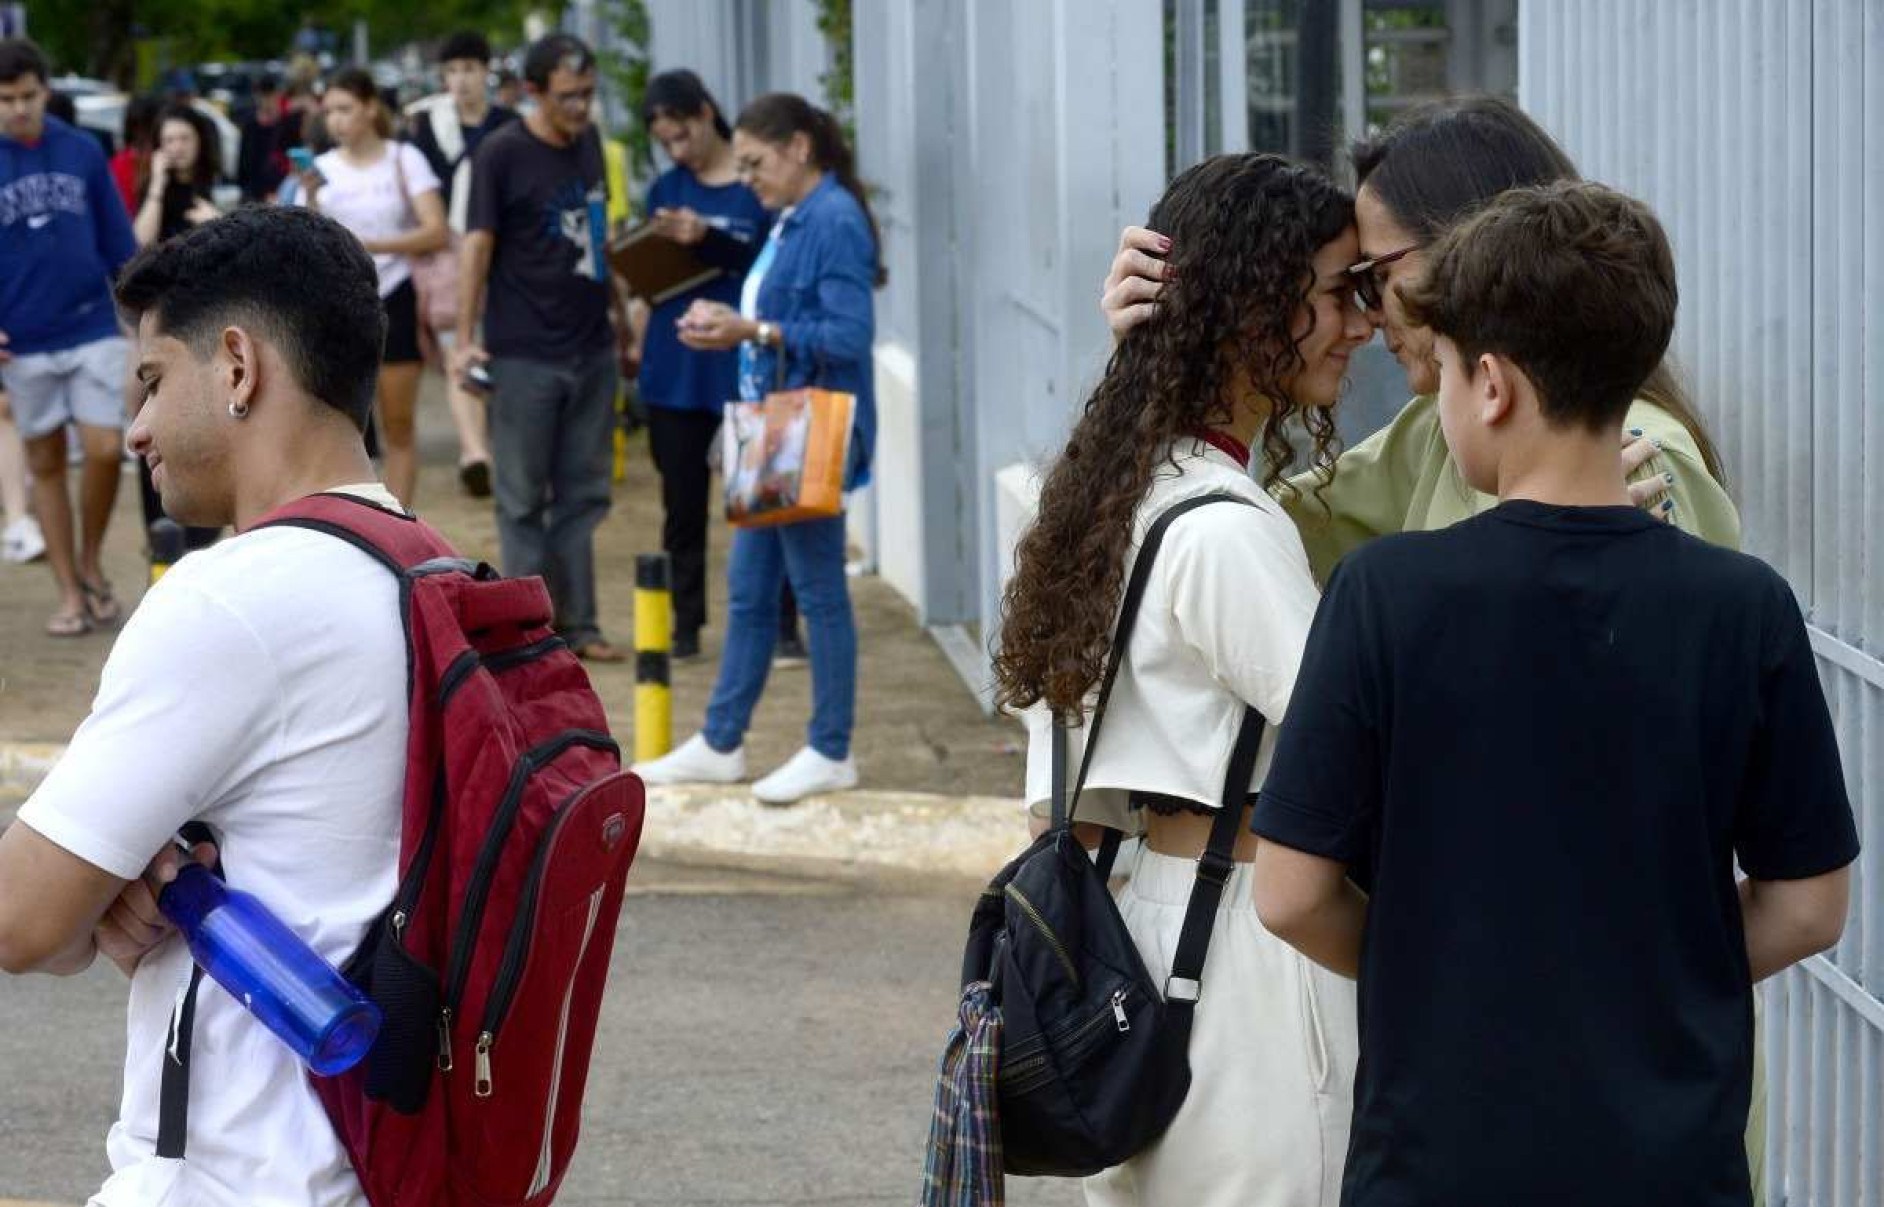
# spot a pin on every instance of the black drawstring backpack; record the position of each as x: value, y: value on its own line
x: 1094, y: 1059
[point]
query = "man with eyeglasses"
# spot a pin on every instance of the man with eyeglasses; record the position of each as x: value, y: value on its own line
x: 534, y: 272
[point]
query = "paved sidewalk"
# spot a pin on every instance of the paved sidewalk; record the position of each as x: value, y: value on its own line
x: 922, y: 744
x: 784, y: 978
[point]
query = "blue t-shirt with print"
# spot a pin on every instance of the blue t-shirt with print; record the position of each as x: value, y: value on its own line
x: 673, y: 375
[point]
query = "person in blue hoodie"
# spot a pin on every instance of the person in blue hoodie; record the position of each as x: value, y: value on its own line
x: 63, y: 237
x: 805, y: 318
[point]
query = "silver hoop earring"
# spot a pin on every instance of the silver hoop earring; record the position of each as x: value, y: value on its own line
x: 238, y: 409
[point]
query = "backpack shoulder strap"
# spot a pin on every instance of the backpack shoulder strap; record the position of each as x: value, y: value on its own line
x: 1185, y: 984
x: 401, y: 542
x: 1064, y: 807
x: 173, y: 1096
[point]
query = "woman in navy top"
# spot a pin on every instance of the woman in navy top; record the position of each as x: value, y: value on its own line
x: 805, y: 319
x: 699, y: 201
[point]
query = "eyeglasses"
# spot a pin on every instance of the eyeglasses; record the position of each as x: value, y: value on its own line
x: 579, y: 98
x: 1369, y: 285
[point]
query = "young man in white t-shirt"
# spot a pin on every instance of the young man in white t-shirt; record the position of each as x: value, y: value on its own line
x: 259, y: 689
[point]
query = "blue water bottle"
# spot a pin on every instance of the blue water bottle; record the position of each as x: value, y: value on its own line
x: 262, y: 964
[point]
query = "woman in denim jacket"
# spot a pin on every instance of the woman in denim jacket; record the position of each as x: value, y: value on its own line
x: 805, y: 319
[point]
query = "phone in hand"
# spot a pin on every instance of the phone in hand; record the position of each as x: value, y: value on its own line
x: 303, y: 160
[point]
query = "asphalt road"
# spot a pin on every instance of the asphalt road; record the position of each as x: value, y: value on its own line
x: 766, y: 1040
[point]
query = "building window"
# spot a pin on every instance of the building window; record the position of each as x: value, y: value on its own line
x: 1313, y: 74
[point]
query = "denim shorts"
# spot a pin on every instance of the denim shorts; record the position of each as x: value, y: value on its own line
x: 85, y: 385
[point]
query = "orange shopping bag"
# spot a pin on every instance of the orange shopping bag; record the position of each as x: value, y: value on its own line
x: 784, y: 458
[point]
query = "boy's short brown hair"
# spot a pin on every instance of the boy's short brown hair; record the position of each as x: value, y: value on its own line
x: 1573, y: 282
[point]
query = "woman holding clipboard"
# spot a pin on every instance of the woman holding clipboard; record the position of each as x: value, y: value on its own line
x: 699, y: 202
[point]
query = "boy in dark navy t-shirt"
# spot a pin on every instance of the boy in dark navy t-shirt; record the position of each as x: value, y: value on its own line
x: 1553, y: 728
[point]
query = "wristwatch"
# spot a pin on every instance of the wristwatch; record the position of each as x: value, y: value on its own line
x: 768, y: 334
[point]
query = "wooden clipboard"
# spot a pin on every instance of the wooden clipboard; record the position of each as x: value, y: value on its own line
x: 655, y: 267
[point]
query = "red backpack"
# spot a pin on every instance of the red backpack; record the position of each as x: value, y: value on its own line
x: 518, y: 830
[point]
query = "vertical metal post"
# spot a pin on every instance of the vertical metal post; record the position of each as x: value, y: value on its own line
x: 1190, y: 82
x: 1317, y: 56
x: 166, y: 546
x: 654, y: 629
x: 1353, y: 57
x: 1233, y: 74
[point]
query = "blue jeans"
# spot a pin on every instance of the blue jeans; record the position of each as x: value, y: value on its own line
x: 552, y: 448
x: 811, y: 554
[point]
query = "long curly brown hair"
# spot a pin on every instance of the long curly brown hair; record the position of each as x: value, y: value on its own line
x: 1245, y: 230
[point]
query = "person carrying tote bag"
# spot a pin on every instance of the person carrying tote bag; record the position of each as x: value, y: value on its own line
x: 1257, y: 328
x: 805, y: 320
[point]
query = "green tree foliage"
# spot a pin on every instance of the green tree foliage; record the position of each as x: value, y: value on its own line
x: 624, y: 63
x: 839, y: 82
x: 99, y: 37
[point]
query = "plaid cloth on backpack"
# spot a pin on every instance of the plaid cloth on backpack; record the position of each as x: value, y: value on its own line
x: 963, y: 1168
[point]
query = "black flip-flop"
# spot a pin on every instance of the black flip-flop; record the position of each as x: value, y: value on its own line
x: 101, y: 606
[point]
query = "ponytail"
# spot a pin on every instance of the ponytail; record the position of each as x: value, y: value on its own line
x: 776, y: 116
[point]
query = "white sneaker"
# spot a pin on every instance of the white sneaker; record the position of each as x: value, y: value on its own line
x: 694, y: 762
x: 22, y: 541
x: 807, y: 773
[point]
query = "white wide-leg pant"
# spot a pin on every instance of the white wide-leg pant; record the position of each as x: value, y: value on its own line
x: 1273, y: 1049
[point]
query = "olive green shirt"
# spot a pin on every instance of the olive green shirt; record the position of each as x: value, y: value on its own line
x: 1402, y: 479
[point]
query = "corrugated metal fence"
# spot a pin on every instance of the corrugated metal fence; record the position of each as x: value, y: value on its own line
x: 1756, y: 129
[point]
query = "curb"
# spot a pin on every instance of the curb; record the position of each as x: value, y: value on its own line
x: 851, y: 833
x: 859, y: 834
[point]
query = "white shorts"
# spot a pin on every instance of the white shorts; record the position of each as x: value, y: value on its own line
x: 1273, y: 1048
x: 78, y: 385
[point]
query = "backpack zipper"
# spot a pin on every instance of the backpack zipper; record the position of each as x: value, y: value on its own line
x: 461, y: 667
x: 517, y: 947
x: 477, y: 893
x: 487, y: 1037
x: 506, y: 659
x: 1020, y: 1077
x: 1059, y: 949
x: 544, y: 1159
x: 455, y: 675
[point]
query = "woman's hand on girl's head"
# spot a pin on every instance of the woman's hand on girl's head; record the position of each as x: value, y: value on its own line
x: 1137, y: 278
x: 1637, y: 451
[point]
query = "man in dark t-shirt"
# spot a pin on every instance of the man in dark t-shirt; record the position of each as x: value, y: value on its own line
x: 1553, y: 728
x: 536, y: 274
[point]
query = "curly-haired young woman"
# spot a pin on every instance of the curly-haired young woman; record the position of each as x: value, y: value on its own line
x: 1262, y: 245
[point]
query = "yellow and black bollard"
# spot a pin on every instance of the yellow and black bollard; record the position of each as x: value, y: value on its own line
x: 166, y: 546
x: 654, y: 629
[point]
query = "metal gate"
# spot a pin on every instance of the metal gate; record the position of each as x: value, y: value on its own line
x: 1756, y: 130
